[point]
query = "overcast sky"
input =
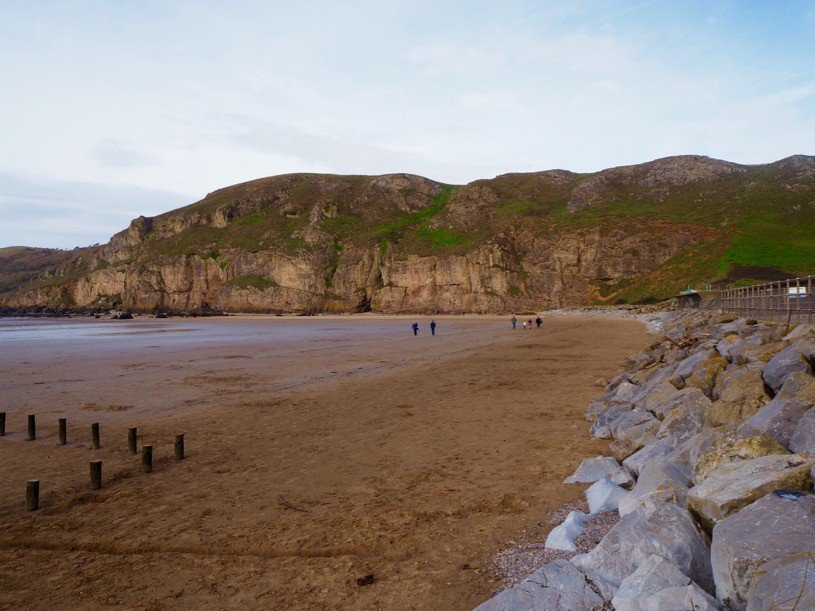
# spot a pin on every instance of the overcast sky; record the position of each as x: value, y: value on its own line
x: 109, y: 110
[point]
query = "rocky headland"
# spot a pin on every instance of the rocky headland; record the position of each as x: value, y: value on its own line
x: 403, y: 243
x: 710, y: 475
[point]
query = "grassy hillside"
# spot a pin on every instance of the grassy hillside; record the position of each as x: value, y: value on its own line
x: 18, y: 264
x: 755, y: 222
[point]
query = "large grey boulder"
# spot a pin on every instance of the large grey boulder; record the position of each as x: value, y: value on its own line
x: 759, y: 355
x: 687, y: 366
x: 779, y: 418
x: 688, y: 397
x: 735, y: 485
x: 799, y: 385
x: 602, y: 426
x: 600, y: 467
x: 783, y: 584
x: 795, y: 357
x: 770, y: 528
x: 801, y: 332
x: 803, y: 438
x: 630, y: 420
x: 653, y: 575
x: 631, y: 432
x: 658, y: 481
x: 680, y: 598
x: 604, y: 496
x: 733, y: 345
x: 729, y: 444
x: 705, y: 376
x: 682, y: 422
x: 656, y: 528
x: 627, y: 392
x: 558, y: 586
x: 650, y: 453
x: 739, y: 393
x: 656, y: 395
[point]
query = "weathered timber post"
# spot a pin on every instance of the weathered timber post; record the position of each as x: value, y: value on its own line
x: 32, y: 495
x: 179, y: 446
x: 132, y: 439
x: 2, y: 424
x: 95, y: 435
x: 96, y: 474
x: 147, y: 458
x: 63, y: 431
x: 32, y: 428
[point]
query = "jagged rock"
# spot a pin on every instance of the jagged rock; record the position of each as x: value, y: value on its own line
x: 779, y: 418
x: 599, y: 407
x: 595, y: 469
x: 684, y: 598
x: 656, y: 395
x: 616, y: 381
x: 118, y: 315
x: 731, y: 445
x: 656, y: 528
x: 688, y: 366
x: 783, y: 584
x: 562, y: 536
x: 690, y: 397
x: 688, y: 452
x: 771, y: 527
x: 604, y: 495
x: 803, y: 439
x: 799, y: 385
x: 557, y: 586
x: 734, y: 485
x: 602, y: 427
x: 740, y: 394
x: 704, y: 377
x: 801, y: 332
x: 633, y: 425
x: 659, y: 481
x: 732, y: 345
x: 653, y: 575
x: 650, y: 453
x: 627, y: 392
x: 759, y: 354
x: 794, y: 357
x: 682, y: 422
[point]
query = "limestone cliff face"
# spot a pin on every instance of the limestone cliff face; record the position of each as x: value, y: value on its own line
x: 403, y: 243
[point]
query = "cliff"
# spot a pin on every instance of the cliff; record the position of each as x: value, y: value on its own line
x: 403, y: 243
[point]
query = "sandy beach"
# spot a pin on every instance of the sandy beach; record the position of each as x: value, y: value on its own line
x: 331, y: 461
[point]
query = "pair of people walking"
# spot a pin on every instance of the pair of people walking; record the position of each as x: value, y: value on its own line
x: 527, y: 323
x: 415, y: 327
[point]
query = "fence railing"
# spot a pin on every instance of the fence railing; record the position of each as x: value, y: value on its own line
x: 790, y: 299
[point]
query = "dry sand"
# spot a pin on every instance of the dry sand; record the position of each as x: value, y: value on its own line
x: 331, y: 462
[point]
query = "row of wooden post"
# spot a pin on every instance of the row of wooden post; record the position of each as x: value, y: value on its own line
x: 32, y: 491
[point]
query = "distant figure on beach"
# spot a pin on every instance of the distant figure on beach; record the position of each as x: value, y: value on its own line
x: 514, y: 322
x: 538, y: 322
x: 529, y: 324
x: 433, y: 327
x: 415, y: 328
x: 524, y: 325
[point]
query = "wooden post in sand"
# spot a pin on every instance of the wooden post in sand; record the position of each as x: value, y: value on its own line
x: 131, y: 439
x: 2, y: 424
x: 32, y: 495
x: 179, y: 446
x: 95, y: 435
x: 32, y: 428
x: 63, y: 431
x: 96, y: 474
x: 147, y: 458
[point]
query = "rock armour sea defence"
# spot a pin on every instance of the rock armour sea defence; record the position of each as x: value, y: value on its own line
x: 721, y: 513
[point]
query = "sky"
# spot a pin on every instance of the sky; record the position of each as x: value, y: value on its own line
x: 111, y: 110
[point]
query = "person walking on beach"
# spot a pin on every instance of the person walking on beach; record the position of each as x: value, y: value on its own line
x: 514, y: 322
x: 415, y: 328
x: 538, y: 322
x: 432, y: 327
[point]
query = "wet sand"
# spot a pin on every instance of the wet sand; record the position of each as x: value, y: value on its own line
x: 320, y: 451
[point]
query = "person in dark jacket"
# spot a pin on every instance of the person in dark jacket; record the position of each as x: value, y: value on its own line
x: 514, y: 321
x: 415, y: 328
x: 538, y: 322
x: 433, y: 327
